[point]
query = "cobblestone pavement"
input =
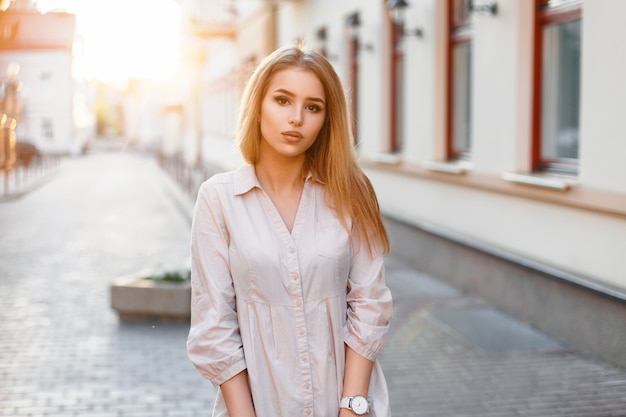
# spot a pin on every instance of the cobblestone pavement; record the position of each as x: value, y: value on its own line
x: 63, y: 351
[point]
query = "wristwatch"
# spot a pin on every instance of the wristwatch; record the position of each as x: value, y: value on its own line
x: 358, y: 404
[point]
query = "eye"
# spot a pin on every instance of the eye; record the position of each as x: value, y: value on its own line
x: 313, y: 108
x: 281, y: 100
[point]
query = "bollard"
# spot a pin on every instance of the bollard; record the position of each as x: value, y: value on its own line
x: 7, y: 125
x: 2, y: 154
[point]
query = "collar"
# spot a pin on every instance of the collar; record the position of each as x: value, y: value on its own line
x: 245, y: 179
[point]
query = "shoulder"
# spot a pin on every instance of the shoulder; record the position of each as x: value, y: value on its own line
x: 219, y: 179
x: 217, y: 185
x: 234, y: 182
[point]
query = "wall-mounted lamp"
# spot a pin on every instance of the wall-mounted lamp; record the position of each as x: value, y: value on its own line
x: 353, y: 23
x: 397, y: 10
x: 483, y: 9
x: 320, y: 35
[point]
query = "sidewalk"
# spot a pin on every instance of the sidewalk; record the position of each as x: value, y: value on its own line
x: 63, y: 351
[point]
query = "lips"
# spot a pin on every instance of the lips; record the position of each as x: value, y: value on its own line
x: 292, y: 135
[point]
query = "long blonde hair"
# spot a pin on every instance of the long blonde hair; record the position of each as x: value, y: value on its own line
x: 331, y: 159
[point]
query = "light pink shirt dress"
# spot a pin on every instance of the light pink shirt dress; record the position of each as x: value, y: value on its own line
x: 281, y: 304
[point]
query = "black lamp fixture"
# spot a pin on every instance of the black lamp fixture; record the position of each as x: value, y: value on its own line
x: 397, y: 10
x: 321, y: 35
x: 353, y: 23
x: 483, y: 9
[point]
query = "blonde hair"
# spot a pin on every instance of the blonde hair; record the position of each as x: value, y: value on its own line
x: 331, y: 159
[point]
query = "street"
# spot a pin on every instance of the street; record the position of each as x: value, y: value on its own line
x: 64, y: 352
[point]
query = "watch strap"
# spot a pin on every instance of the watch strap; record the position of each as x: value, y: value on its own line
x: 344, y: 402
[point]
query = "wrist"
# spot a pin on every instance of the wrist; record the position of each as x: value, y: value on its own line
x: 344, y: 412
x: 356, y: 405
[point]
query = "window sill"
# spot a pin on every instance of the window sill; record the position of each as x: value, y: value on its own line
x: 383, y: 158
x: 456, y: 167
x: 552, y: 182
x: 548, y: 189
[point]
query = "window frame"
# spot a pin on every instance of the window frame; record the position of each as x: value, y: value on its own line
x: 396, y: 62
x: 353, y: 57
x: 544, y: 15
x: 47, y: 129
x: 460, y: 31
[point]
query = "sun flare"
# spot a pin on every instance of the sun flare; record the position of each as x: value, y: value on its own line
x: 124, y: 39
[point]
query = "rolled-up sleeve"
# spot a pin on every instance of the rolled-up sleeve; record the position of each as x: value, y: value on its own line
x: 369, y: 304
x: 214, y: 344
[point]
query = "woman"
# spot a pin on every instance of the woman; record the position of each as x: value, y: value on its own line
x: 289, y: 303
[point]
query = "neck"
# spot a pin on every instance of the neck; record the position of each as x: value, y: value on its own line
x: 277, y: 176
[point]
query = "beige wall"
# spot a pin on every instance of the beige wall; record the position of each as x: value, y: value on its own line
x: 47, y: 93
x: 603, y: 132
x: 569, y: 230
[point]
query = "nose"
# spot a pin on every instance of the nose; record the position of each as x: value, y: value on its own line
x: 295, y: 119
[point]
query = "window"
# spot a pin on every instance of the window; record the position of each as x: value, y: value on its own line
x: 396, y: 108
x: 219, y: 103
x: 47, y: 129
x: 321, y: 35
x: 459, y: 136
x: 353, y: 22
x: 556, y: 133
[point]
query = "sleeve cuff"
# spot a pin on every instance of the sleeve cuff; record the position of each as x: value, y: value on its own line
x: 359, y: 347
x: 228, y: 372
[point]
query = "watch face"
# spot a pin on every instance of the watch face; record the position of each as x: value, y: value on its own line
x: 359, y: 405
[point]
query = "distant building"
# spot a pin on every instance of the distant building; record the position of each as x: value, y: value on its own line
x: 54, y: 118
x: 493, y: 132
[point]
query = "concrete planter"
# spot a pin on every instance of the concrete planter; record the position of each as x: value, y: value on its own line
x: 138, y: 298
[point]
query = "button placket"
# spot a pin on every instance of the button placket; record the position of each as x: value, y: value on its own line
x: 295, y: 290
x: 301, y: 333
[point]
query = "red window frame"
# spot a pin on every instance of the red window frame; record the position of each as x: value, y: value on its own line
x: 460, y: 32
x: 395, y: 108
x: 353, y: 56
x: 546, y: 15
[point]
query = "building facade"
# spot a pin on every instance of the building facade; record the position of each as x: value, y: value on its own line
x: 36, y: 52
x: 491, y: 130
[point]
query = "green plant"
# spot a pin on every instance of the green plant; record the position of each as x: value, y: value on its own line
x: 171, y: 276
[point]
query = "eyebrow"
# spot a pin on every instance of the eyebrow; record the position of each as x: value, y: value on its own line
x: 289, y: 93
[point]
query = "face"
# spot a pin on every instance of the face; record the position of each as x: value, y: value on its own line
x: 292, y: 113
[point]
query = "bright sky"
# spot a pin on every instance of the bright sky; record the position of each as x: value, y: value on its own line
x: 124, y: 38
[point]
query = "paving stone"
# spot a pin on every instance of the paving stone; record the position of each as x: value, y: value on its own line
x: 63, y: 351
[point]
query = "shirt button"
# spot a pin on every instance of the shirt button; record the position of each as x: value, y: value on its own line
x: 308, y: 411
x: 292, y: 249
x: 295, y: 276
x: 303, y: 359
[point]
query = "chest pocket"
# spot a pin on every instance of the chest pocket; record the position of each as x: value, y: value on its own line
x: 331, y: 239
